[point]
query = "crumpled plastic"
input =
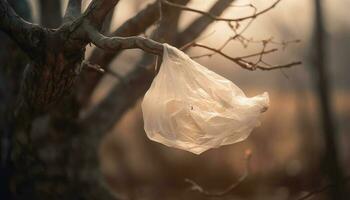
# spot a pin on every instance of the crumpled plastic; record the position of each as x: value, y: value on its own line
x: 192, y: 108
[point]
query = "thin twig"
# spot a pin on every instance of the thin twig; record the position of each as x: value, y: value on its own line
x: 89, y: 65
x: 322, y: 189
x: 217, y: 18
x: 189, y: 44
x: 240, y: 61
x: 196, y: 187
x: 73, y: 10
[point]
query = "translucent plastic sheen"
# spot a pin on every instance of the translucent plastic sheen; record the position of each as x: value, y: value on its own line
x: 192, y: 108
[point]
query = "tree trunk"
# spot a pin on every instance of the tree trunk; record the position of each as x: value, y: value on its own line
x: 50, y: 13
x: 331, y: 160
x: 13, y: 61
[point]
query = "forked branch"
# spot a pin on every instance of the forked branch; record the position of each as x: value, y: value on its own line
x: 246, y: 64
x: 25, y: 34
x: 98, y: 10
x: 133, y: 26
x: 73, y: 10
x: 121, y: 43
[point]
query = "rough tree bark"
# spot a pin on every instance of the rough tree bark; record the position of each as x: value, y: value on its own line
x: 50, y: 13
x: 331, y: 160
x: 12, y: 62
x: 48, y: 77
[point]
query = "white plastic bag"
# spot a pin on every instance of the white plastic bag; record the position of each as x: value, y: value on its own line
x: 192, y: 108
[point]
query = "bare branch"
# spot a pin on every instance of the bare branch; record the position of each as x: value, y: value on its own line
x: 196, y: 187
x: 87, y: 64
x: 108, y: 22
x: 201, y: 23
x: 134, y: 26
x: 236, y: 58
x: 168, y: 17
x: 95, y: 15
x: 160, y: 11
x: 73, y: 10
x: 25, y: 34
x: 123, y: 96
x: 322, y: 189
x: 140, y: 22
x: 98, y: 10
x: 121, y: 43
x: 217, y: 18
x: 238, y: 31
x: 240, y: 61
x: 50, y: 13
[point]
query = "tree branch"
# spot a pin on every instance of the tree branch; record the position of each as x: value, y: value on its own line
x: 123, y: 96
x: 108, y: 22
x: 217, y: 18
x: 121, y: 43
x: 25, y: 34
x: 98, y: 10
x: 95, y: 15
x: 201, y: 23
x: 73, y: 10
x: 196, y: 187
x: 50, y: 13
x: 249, y: 65
x: 322, y: 189
x: 134, y: 26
